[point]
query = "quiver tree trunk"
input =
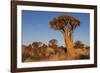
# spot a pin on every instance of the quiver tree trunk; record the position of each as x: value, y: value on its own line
x: 69, y: 44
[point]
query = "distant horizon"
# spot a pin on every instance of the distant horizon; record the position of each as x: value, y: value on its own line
x: 48, y: 42
x: 35, y: 27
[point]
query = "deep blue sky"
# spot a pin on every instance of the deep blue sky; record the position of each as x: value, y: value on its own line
x: 35, y: 27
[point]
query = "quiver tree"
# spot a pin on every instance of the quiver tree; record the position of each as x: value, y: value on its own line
x: 53, y: 42
x: 79, y: 44
x: 66, y: 24
x: 36, y: 44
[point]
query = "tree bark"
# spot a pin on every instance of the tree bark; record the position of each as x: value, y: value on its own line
x: 72, y: 39
x: 69, y: 44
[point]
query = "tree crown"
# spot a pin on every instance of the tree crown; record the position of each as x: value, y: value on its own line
x: 63, y: 21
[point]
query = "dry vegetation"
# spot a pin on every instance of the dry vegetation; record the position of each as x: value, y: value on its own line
x: 38, y: 51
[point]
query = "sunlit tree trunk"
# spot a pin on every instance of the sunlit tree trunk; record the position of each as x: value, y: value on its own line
x: 69, y: 44
x: 72, y: 39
